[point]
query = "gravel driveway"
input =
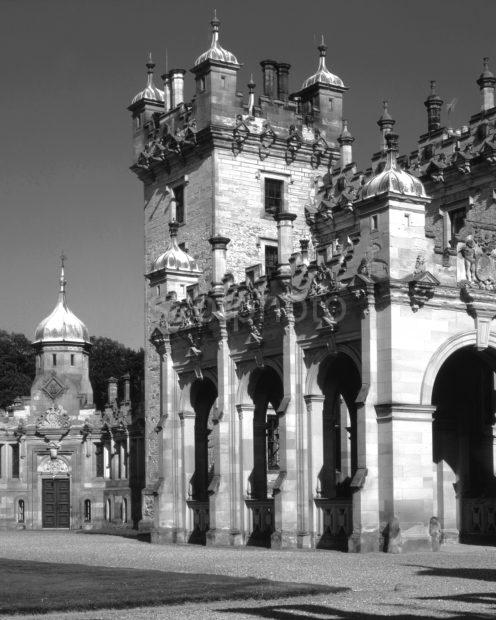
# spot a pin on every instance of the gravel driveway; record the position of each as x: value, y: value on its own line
x: 458, y: 582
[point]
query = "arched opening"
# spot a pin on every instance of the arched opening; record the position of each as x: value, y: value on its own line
x: 203, y: 397
x: 463, y: 426
x: 339, y: 382
x: 87, y: 511
x: 20, y: 511
x: 266, y: 391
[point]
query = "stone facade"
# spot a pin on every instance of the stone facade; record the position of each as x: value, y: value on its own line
x: 64, y: 464
x: 318, y: 399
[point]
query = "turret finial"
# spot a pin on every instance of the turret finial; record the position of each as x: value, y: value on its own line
x: 62, y: 279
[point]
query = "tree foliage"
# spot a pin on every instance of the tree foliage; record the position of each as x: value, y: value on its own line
x: 17, y: 367
x: 109, y: 358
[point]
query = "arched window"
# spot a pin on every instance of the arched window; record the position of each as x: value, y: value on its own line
x: 124, y: 510
x: 87, y: 510
x: 20, y: 511
x: 108, y: 509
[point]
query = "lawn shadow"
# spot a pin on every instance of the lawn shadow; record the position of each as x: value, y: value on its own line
x: 304, y: 612
x: 44, y: 587
x: 480, y: 574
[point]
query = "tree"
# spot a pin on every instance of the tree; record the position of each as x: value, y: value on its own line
x: 109, y: 358
x: 17, y: 367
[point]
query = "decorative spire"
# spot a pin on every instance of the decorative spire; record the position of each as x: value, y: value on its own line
x: 216, y: 52
x: 386, y: 123
x: 323, y: 75
x: 150, y: 91
x: 345, y: 137
x: 251, y: 96
x: 486, y: 84
x: 392, y: 150
x: 62, y: 279
x: 433, y: 103
x: 486, y: 78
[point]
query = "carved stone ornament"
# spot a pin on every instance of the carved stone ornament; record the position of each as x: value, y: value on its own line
x: 293, y: 143
x: 149, y: 506
x: 267, y: 139
x: 158, y: 340
x: 54, y: 467
x: 421, y: 288
x: 240, y: 135
x: 53, y: 388
x: 319, y: 149
x: 53, y: 418
x: 477, y: 260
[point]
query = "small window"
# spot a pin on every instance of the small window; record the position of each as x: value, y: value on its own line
x: 87, y: 510
x: 201, y: 84
x: 72, y: 359
x: 273, y: 196
x: 137, y: 121
x: 270, y: 260
x: 373, y: 222
x: 179, y: 196
x: 15, y: 460
x: 54, y: 359
x: 124, y: 510
x: 157, y: 290
x: 223, y: 81
x: 457, y: 221
x: 20, y: 511
x: 99, y: 460
x: 108, y: 509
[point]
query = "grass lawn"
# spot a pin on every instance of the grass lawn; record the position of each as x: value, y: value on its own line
x: 43, y: 587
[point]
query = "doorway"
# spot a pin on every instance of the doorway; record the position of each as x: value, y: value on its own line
x: 55, y: 503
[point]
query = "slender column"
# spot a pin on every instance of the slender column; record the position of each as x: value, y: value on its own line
x: 365, y: 536
x: 285, y: 241
x: 220, y: 501
x: 287, y: 499
x: 314, y: 405
x: 188, y: 461
x: 245, y: 413
x: 303, y: 486
x: 344, y: 425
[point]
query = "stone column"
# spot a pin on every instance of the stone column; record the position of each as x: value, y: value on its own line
x: 285, y: 241
x: 405, y: 463
x: 245, y: 413
x: 188, y: 466
x: 314, y: 405
x: 220, y: 488
x: 364, y: 485
x: 344, y: 425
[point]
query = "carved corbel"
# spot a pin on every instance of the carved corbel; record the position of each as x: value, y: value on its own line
x: 421, y: 288
x: 240, y: 135
x: 267, y: 139
x: 293, y: 144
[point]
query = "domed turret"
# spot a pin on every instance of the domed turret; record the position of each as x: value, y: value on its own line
x: 393, y: 178
x: 174, y: 258
x: 150, y: 92
x: 323, y: 75
x: 215, y: 52
x: 61, y: 325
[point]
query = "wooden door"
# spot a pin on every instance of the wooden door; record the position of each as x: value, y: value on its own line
x: 56, y: 503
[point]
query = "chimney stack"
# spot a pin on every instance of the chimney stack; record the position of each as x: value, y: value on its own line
x: 111, y: 390
x: 176, y: 77
x: 127, y: 387
x: 283, y: 80
x: 269, y: 70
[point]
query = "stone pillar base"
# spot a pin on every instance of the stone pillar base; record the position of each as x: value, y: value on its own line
x: 168, y: 535
x: 284, y: 540
x: 450, y: 537
x: 237, y: 538
x: 304, y: 540
x: 365, y: 541
x: 218, y: 538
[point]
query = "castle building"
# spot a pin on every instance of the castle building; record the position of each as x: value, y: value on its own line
x: 62, y: 463
x: 320, y: 349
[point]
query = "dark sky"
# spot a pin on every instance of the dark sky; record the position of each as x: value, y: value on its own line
x: 69, y: 69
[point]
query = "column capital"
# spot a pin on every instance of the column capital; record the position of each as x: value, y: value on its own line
x: 219, y: 243
x: 282, y: 216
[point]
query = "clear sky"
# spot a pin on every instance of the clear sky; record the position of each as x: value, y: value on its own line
x: 69, y: 68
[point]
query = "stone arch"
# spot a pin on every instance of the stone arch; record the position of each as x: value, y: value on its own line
x: 456, y: 342
x: 311, y: 384
x: 242, y: 393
